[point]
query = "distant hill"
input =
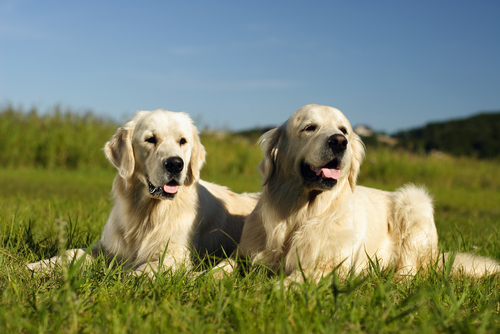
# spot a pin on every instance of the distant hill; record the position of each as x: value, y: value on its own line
x: 477, y: 136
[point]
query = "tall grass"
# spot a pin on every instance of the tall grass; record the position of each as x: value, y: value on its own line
x: 67, y: 140
x: 232, y: 158
x: 62, y: 139
x: 386, y: 166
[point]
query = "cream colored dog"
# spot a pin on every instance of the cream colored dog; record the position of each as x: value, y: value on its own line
x: 311, y: 214
x: 162, y: 210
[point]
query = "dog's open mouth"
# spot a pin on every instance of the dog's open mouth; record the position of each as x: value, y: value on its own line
x: 167, y: 191
x: 324, y: 177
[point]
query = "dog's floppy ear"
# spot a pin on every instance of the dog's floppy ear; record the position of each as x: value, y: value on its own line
x: 269, y: 142
x: 197, y: 158
x: 357, y: 155
x: 120, y: 152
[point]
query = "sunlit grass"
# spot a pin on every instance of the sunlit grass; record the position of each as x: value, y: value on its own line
x: 36, y: 202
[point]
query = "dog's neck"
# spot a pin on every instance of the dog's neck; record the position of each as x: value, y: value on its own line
x: 289, y: 209
x: 289, y: 200
x: 134, y: 196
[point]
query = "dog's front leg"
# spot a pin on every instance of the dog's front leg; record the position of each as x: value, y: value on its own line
x: 148, y: 268
x: 169, y: 262
x: 69, y: 256
x: 224, y: 268
x: 305, y: 275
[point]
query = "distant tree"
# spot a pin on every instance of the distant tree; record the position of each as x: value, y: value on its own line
x: 477, y: 136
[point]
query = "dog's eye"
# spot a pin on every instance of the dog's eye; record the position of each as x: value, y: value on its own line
x: 182, y: 141
x: 310, y: 127
x: 151, y: 140
x: 344, y: 130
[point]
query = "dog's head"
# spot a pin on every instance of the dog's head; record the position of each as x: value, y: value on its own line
x: 315, y: 147
x: 160, y: 148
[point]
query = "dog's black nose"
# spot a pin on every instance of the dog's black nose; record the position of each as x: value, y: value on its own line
x: 338, y: 143
x: 174, y: 165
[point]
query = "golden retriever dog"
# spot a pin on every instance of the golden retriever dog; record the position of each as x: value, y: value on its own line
x: 164, y: 215
x: 312, y: 217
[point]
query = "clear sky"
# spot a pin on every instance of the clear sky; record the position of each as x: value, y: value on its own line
x: 239, y: 64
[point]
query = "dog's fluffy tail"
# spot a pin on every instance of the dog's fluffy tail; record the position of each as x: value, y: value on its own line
x: 469, y: 264
x: 414, y: 222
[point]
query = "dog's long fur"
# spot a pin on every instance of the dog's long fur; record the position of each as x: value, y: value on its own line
x: 161, y: 206
x: 314, y: 222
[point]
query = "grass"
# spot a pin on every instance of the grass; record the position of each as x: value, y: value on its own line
x: 38, y: 203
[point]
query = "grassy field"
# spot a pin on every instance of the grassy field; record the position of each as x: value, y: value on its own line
x: 36, y: 204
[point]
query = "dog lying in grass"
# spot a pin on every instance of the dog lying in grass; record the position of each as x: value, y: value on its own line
x: 312, y: 218
x: 164, y: 215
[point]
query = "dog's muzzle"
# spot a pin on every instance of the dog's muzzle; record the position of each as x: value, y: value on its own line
x: 173, y: 166
x: 326, y: 176
x: 167, y: 191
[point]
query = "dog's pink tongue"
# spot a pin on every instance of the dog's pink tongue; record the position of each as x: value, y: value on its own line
x: 329, y: 173
x: 170, y: 189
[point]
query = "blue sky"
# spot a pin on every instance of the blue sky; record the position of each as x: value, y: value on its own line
x: 239, y: 64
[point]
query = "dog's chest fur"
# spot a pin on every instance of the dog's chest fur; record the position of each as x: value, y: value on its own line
x: 139, y: 228
x: 312, y: 236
